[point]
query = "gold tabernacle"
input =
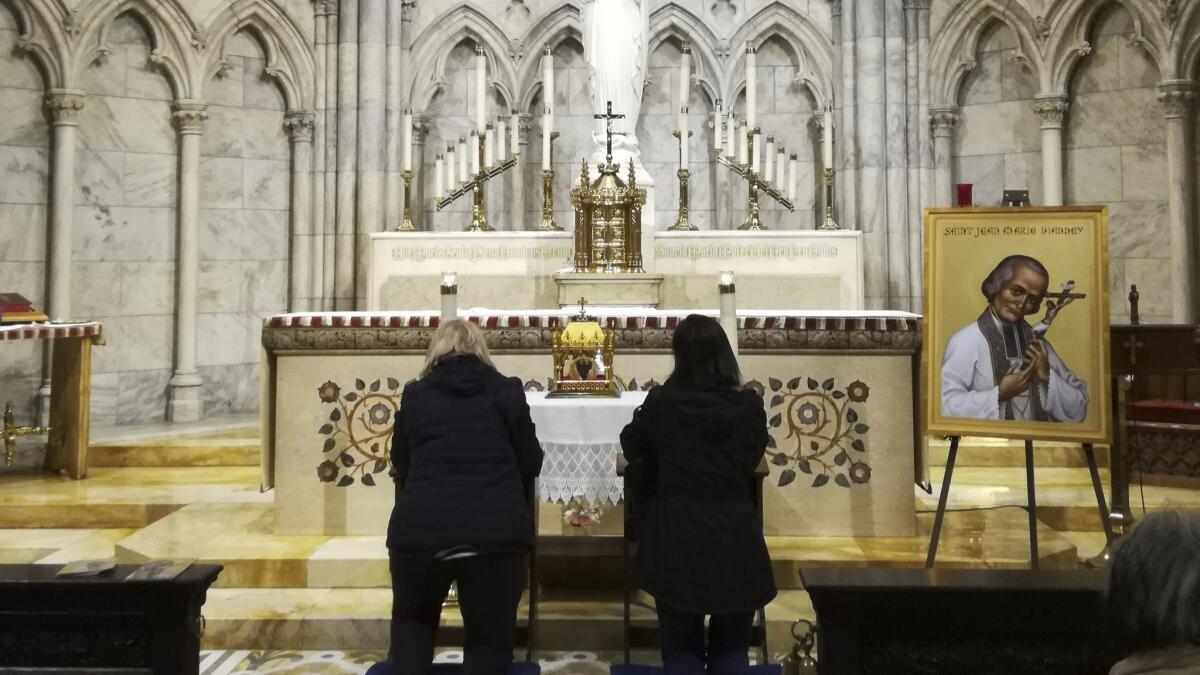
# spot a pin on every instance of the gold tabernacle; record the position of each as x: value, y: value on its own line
x: 583, y: 358
x: 608, y: 221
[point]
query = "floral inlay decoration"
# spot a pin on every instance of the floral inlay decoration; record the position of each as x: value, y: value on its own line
x: 825, y: 430
x: 358, y: 433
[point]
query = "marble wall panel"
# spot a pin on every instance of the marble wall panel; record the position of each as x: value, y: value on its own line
x: 1093, y: 175
x: 142, y: 396
x: 105, y: 394
x: 22, y: 112
x: 220, y: 287
x: 124, y: 233
x: 150, y: 180
x: 1122, y: 117
x: 140, y: 342
x: 227, y: 339
x: 264, y: 285
x: 265, y: 184
x: 244, y: 132
x: 1023, y: 171
x: 221, y: 183
x: 99, y: 177
x: 243, y: 235
x: 986, y: 172
x: 126, y: 124
x: 17, y: 71
x: 22, y: 232
x: 1153, y: 279
x: 99, y: 291
x: 229, y: 389
x: 227, y: 89
x: 147, y: 288
x: 106, y: 76
x: 20, y: 374
x: 262, y: 92
x: 1138, y: 229
x: 23, y: 175
x: 25, y: 278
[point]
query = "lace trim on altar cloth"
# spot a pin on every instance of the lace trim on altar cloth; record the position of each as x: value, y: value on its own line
x: 584, y: 471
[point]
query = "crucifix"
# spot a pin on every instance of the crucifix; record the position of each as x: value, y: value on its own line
x: 608, y: 118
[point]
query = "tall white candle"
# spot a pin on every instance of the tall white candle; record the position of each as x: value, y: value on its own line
x: 780, y: 166
x: 546, y: 120
x: 684, y: 123
x: 451, y: 168
x: 548, y: 78
x: 743, y: 149
x: 791, y: 185
x: 473, y: 148
x: 731, y: 134
x: 463, y: 160
x: 769, y: 161
x: 718, y: 120
x: 685, y: 81
x: 439, y: 176
x: 501, y: 137
x: 751, y: 86
x: 514, y: 128
x: 756, y: 152
x: 407, y: 135
x: 827, y: 146
x: 489, y: 148
x: 480, y: 88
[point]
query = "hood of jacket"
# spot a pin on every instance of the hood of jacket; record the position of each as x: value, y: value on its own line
x: 461, y: 375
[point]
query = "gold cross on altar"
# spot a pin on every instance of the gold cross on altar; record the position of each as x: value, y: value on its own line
x: 608, y: 118
x: 1133, y: 344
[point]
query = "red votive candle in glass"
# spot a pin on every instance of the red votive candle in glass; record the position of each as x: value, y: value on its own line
x: 964, y: 194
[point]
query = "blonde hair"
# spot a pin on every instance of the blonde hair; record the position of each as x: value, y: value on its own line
x: 456, y: 336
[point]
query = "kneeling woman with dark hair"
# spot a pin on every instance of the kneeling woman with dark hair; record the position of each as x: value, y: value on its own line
x: 692, y: 449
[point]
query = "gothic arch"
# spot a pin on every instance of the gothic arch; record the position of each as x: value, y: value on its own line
x: 560, y: 24
x: 809, y: 45
x: 1185, y: 43
x: 952, y: 52
x: 173, y: 36
x: 1069, y: 32
x: 40, y: 37
x: 673, y: 21
x: 289, y: 59
x: 430, y: 52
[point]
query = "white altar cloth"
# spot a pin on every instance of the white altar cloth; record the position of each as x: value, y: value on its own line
x: 581, y: 438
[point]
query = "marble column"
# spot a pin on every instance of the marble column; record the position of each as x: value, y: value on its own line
x: 300, y: 292
x: 185, y: 403
x: 720, y: 184
x: 317, y: 257
x: 64, y: 106
x: 1052, y: 108
x: 347, y: 153
x: 896, y: 77
x: 916, y: 13
x: 420, y: 186
x: 372, y: 162
x: 1178, y: 98
x: 331, y: 156
x: 393, y: 189
x: 844, y: 100
x: 943, y: 119
x: 517, y: 185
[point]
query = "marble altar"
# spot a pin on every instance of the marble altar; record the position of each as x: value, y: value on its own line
x: 838, y: 387
x: 796, y: 269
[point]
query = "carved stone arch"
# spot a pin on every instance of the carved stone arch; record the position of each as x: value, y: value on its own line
x: 673, y: 21
x: 562, y: 23
x: 1189, y: 52
x: 809, y: 44
x: 40, y: 36
x: 1070, y: 29
x: 430, y: 52
x: 174, y: 38
x: 953, y: 50
x: 289, y: 59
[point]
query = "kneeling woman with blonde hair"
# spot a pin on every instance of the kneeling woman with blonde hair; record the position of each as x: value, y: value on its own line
x: 465, y: 455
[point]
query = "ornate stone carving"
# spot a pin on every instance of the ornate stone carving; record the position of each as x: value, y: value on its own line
x: 516, y: 49
x: 1041, y: 28
x: 723, y: 49
x: 64, y: 106
x: 1176, y: 100
x: 1052, y: 110
x: 190, y: 116
x: 300, y: 126
x: 943, y: 121
x: 835, y: 8
x: 1169, y: 10
x: 523, y: 128
x: 420, y: 129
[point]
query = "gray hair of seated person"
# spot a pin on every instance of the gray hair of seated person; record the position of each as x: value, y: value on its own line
x: 1154, y: 582
x: 1005, y: 270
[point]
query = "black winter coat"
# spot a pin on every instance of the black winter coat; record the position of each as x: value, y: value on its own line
x: 464, y: 451
x: 692, y: 455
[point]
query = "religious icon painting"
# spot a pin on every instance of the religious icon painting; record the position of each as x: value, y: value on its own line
x: 1016, y: 323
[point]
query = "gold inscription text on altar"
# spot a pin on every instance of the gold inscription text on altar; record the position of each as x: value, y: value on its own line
x: 699, y: 251
x: 477, y: 253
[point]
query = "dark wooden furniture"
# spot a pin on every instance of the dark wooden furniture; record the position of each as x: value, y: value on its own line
x: 983, y: 622
x: 101, y: 624
x: 645, y: 637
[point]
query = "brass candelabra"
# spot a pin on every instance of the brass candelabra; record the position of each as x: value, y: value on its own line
x: 11, y: 432
x: 682, y: 222
x: 754, y: 185
x: 407, y: 224
x: 475, y: 185
x: 829, y: 223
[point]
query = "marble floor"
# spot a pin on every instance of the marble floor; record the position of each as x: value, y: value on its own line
x: 317, y: 604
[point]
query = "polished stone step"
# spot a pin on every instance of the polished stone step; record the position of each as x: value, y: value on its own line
x: 231, y: 447
x: 998, y: 452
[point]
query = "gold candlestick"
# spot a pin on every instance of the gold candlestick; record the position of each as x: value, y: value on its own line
x: 752, y: 221
x: 407, y: 224
x: 11, y: 432
x: 548, y: 223
x: 829, y: 223
x: 479, y: 221
x: 682, y: 222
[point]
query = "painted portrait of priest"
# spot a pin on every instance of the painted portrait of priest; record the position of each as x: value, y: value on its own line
x: 1000, y: 367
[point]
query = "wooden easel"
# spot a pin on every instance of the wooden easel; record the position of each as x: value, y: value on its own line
x: 1088, y: 450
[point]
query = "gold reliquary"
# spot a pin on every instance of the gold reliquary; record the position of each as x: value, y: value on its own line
x: 608, y: 221
x: 583, y: 358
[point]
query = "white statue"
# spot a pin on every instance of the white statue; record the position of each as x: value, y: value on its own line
x: 614, y: 44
